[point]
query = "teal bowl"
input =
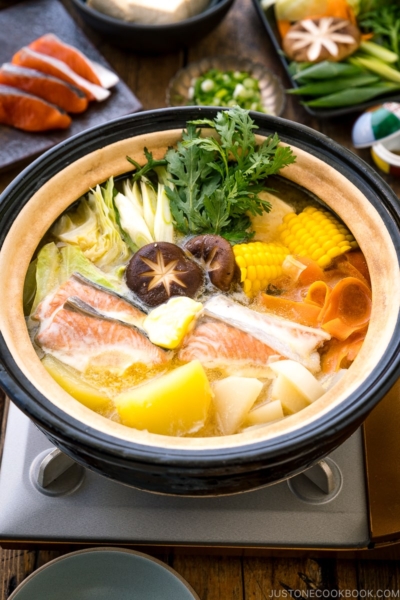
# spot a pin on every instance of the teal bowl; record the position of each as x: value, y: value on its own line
x: 104, y: 574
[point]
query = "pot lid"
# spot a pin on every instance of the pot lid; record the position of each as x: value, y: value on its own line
x: 377, y: 125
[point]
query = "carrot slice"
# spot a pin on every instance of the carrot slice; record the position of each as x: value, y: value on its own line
x: 300, y: 312
x: 357, y: 260
x: 341, y: 354
x: 311, y: 273
x: 283, y: 27
x: 348, y: 308
x: 318, y: 294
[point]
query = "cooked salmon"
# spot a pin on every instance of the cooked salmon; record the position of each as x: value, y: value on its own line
x: 287, y: 338
x: 29, y: 113
x: 49, y: 88
x: 216, y: 344
x: 53, y: 66
x: 80, y: 341
x: 107, y: 303
x: 51, y: 45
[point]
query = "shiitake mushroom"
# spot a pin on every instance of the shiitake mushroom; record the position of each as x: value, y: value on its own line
x: 216, y: 255
x: 160, y: 270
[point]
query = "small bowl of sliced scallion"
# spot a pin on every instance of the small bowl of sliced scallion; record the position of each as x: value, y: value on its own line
x: 227, y: 81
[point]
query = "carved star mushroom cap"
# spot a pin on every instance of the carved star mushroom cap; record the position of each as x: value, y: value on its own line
x: 160, y: 270
x: 326, y: 38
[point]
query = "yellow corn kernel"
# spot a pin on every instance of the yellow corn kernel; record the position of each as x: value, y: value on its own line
x: 324, y: 261
x: 251, y: 273
x: 317, y: 254
x: 240, y: 261
x: 247, y: 287
x: 249, y: 259
x: 243, y: 275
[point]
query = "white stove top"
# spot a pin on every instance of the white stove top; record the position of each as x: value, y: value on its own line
x: 102, y: 511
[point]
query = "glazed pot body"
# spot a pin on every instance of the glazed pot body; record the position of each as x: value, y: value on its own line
x: 241, y: 463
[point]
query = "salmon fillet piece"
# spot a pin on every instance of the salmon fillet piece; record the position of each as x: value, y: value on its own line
x: 80, y: 341
x: 214, y: 344
x: 29, y: 113
x: 51, y: 45
x: 107, y: 303
x: 53, y: 90
x: 53, y: 66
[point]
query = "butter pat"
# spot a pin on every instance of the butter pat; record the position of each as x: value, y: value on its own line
x: 150, y: 12
x: 168, y: 324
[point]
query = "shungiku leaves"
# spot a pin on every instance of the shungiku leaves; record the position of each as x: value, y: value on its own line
x: 216, y: 180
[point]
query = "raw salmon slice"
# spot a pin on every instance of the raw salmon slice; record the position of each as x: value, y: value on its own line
x: 107, y: 303
x: 215, y: 344
x: 52, y: 66
x: 53, y: 90
x: 81, y: 341
x: 29, y: 113
x: 51, y: 45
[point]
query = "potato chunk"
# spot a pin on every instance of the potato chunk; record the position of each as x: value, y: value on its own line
x: 71, y: 382
x: 174, y: 404
x: 233, y: 398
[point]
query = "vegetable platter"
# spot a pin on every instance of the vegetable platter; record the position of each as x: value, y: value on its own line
x: 379, y: 24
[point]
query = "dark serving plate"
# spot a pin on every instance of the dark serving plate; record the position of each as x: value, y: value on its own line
x: 155, y: 39
x: 268, y: 20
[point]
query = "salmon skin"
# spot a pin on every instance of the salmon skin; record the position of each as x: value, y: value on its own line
x: 81, y: 341
x: 52, y: 66
x: 51, y: 45
x: 216, y: 344
x: 29, y: 113
x: 107, y: 303
x: 49, y: 88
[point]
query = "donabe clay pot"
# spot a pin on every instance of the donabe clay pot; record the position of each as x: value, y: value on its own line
x: 198, y: 466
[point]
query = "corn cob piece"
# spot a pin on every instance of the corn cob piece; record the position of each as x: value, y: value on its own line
x: 316, y: 234
x: 259, y: 263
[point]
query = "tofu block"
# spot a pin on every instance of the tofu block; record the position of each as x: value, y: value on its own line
x: 233, y: 398
x: 174, y: 404
x: 73, y: 384
x: 150, y: 12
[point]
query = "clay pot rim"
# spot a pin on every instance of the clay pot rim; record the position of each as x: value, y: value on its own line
x: 61, y: 423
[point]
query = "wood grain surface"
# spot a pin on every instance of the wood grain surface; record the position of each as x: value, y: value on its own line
x: 217, y: 575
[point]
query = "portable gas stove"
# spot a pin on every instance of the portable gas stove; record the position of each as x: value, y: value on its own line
x: 351, y: 500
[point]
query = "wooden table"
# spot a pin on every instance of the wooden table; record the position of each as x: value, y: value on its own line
x: 219, y: 576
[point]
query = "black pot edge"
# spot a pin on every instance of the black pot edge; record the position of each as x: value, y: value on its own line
x: 62, y: 426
